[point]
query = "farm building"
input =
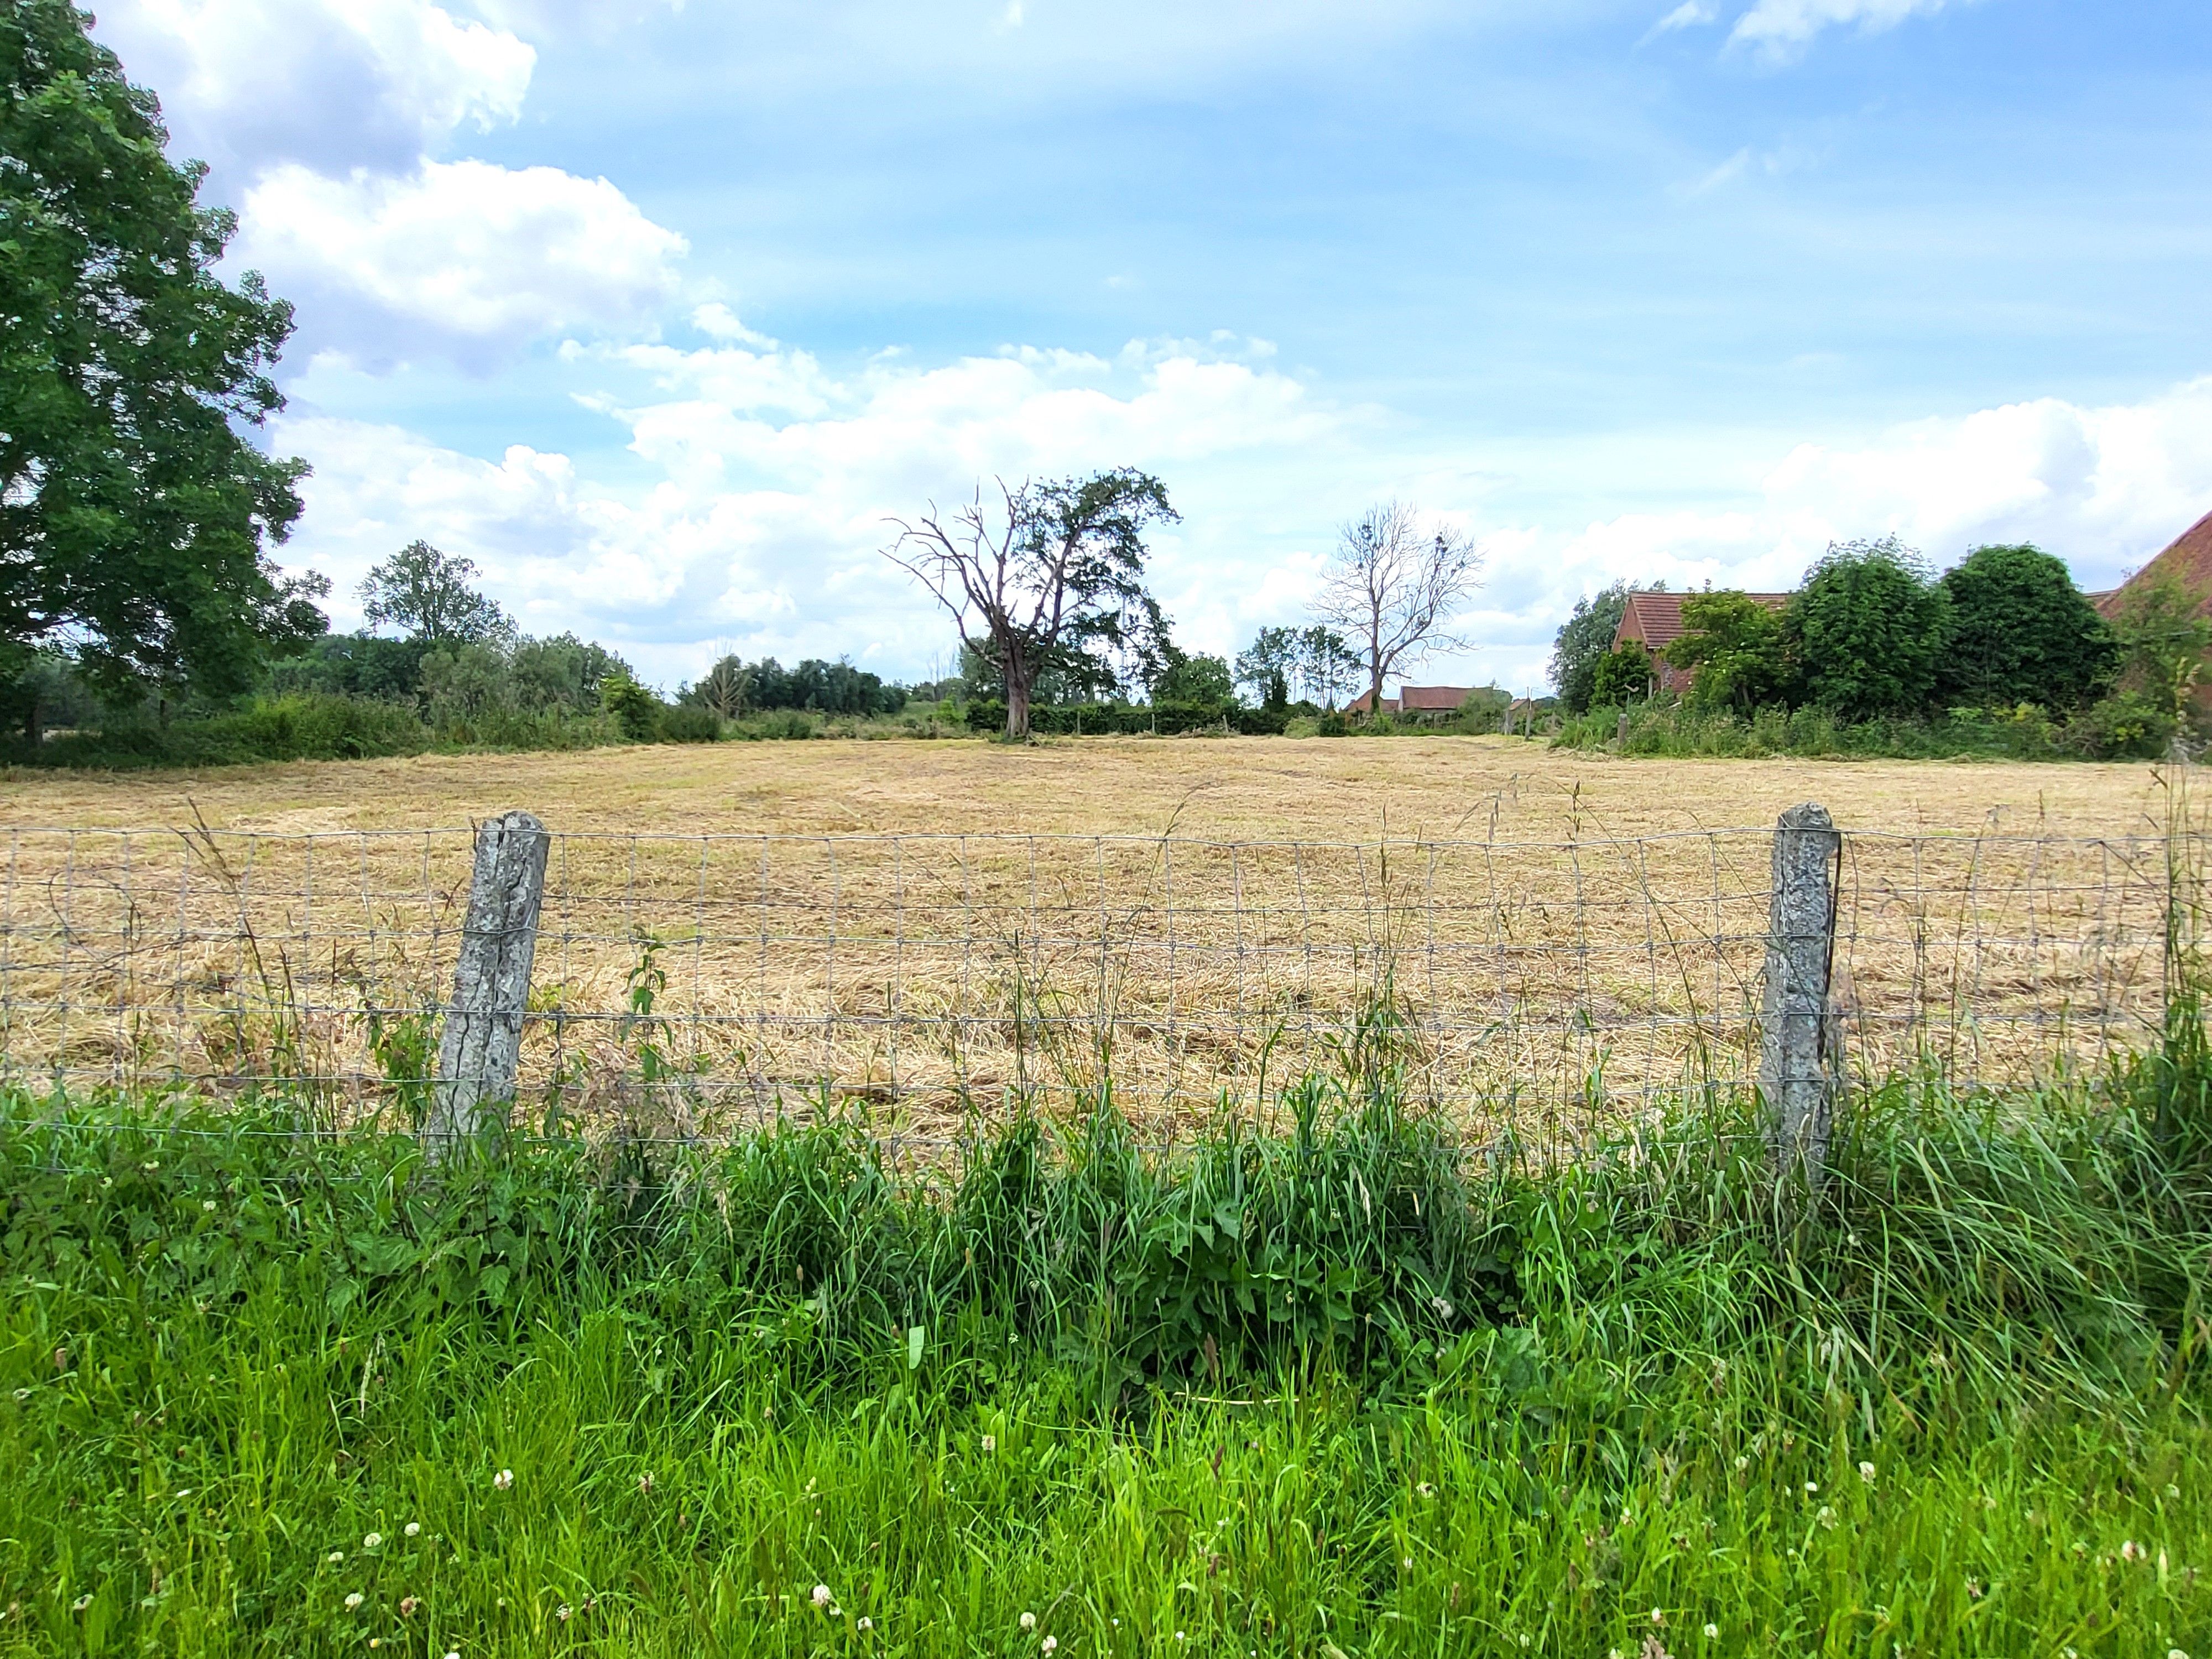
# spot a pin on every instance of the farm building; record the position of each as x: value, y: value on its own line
x: 1425, y: 702
x: 2187, y: 559
x: 1653, y: 621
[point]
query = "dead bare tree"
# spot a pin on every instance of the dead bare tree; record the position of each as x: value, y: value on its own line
x: 1391, y: 588
x: 1058, y: 573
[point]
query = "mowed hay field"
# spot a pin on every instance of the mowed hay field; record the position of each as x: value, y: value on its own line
x: 916, y: 926
x: 1247, y: 788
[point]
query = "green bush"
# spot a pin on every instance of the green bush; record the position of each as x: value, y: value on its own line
x: 299, y: 725
x: 690, y: 723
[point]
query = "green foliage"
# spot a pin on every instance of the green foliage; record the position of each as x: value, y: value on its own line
x: 354, y: 666
x: 734, y: 687
x: 686, y: 723
x: 132, y: 510
x: 2161, y: 636
x: 634, y: 707
x: 1869, y: 627
x: 1622, y: 675
x: 1736, y: 647
x: 2020, y: 632
x: 267, y: 1389
x: 298, y: 725
x: 1585, y: 640
x: 1202, y: 680
x: 432, y: 596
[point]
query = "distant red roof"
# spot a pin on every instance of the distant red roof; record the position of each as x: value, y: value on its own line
x: 2188, y: 560
x: 1416, y: 700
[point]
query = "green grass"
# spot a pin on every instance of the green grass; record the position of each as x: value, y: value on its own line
x: 1346, y: 1391
x: 1668, y: 729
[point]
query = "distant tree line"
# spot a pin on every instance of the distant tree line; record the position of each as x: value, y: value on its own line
x: 1873, y: 635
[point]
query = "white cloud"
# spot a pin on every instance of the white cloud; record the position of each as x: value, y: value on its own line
x: 471, y: 255
x: 1782, y: 29
x: 335, y: 84
x: 773, y: 481
x: 1690, y: 14
x: 2105, y: 488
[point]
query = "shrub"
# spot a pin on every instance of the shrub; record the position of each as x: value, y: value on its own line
x: 690, y: 723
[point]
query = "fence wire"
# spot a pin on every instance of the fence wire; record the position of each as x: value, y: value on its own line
x: 930, y: 974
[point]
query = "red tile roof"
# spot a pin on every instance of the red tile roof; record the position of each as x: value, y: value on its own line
x: 2188, y: 559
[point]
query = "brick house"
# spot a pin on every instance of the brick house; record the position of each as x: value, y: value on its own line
x: 2187, y: 559
x: 1427, y: 701
x: 1653, y: 621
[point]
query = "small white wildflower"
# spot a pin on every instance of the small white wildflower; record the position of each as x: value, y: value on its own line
x: 2172, y: 1491
x: 2129, y: 1550
x: 336, y: 1556
x: 1866, y: 1473
x: 1741, y: 1462
x: 183, y: 1492
x: 1048, y: 1644
x: 1827, y: 1517
x: 81, y: 1602
x: 1657, y: 1617
x: 564, y: 1612
x: 1028, y: 1621
x: 1811, y: 1486
x: 371, y: 1541
x: 821, y: 1597
x: 1713, y: 1632
x: 2175, y: 1653
x: 353, y: 1601
x: 452, y: 1655
x: 645, y: 1481
x: 208, y: 1206
x: 1408, y: 1563
x: 502, y: 1480
x: 990, y: 1442
x: 866, y: 1623
x: 407, y: 1604
x: 413, y: 1528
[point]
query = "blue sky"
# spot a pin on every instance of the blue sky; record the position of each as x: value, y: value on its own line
x: 657, y: 311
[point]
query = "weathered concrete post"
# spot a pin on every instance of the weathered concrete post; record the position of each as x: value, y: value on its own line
x: 482, y: 1040
x: 1799, y: 1067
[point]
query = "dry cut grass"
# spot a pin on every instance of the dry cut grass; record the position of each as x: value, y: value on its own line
x: 918, y: 927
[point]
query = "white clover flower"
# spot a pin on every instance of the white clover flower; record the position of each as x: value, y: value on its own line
x: 1827, y: 1517
x: 373, y: 1540
x: 1713, y: 1632
x: 207, y: 1204
x: 452, y: 1655
x: 866, y: 1623
x: 1048, y: 1644
x: 353, y: 1601
x: 1866, y: 1473
x: 413, y: 1529
x: 2175, y: 1653
x: 822, y: 1595
x: 1811, y: 1486
x: 502, y: 1480
x: 1741, y: 1462
x: 564, y: 1612
x: 1028, y: 1621
x: 336, y: 1556
x: 1657, y: 1617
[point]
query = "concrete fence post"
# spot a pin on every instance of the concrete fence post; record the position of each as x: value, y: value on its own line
x: 1800, y: 1071
x: 482, y: 1039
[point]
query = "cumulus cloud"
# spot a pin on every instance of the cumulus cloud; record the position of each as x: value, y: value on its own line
x: 478, y: 256
x: 1690, y: 14
x: 2105, y: 488
x: 1782, y: 29
x: 772, y: 481
x: 324, y: 120
x: 334, y: 84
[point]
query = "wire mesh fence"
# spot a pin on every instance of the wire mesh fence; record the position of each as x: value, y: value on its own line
x: 930, y: 974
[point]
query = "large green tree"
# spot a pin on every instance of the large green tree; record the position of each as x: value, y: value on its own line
x: 134, y: 509
x: 2020, y: 632
x: 1869, y: 627
x: 1585, y: 640
x: 432, y: 595
x: 1049, y: 588
x: 1735, y: 647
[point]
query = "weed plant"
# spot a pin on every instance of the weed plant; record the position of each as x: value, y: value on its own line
x: 1355, y: 1388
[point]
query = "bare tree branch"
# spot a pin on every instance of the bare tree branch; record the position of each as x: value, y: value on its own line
x: 1392, y: 588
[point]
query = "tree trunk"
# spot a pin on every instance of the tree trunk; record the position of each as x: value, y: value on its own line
x: 1375, y: 698
x: 1017, y: 707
